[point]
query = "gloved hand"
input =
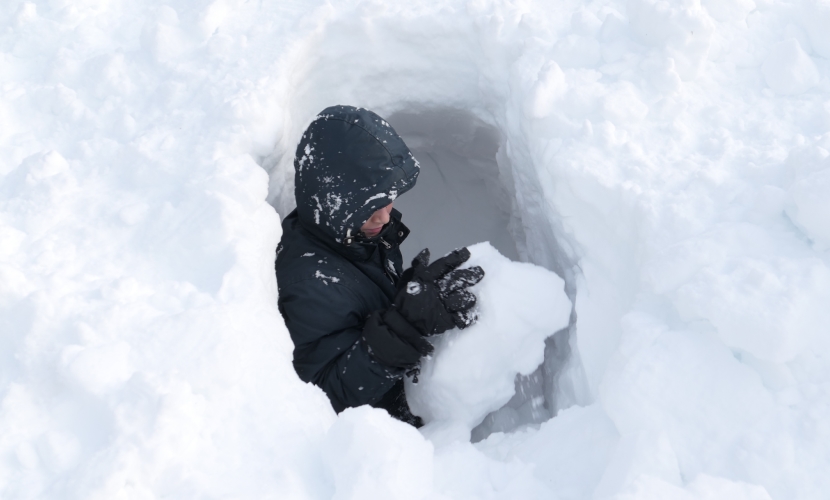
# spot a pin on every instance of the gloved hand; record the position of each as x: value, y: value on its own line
x: 431, y: 299
x: 434, y: 297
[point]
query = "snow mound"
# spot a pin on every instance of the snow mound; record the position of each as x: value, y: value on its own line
x: 668, y: 159
x: 788, y: 70
x: 365, y: 444
x: 810, y: 205
x: 472, y: 371
x: 816, y: 20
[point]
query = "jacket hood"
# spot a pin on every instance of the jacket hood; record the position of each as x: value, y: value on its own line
x: 349, y: 163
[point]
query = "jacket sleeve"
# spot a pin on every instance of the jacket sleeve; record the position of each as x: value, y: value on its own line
x: 326, y: 322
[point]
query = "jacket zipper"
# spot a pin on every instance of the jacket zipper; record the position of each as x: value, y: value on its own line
x: 383, y: 260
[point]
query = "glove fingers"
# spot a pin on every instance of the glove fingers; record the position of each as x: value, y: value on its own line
x: 448, y: 262
x: 463, y: 319
x: 458, y: 301
x: 419, y: 266
x: 460, y: 278
x: 422, y: 259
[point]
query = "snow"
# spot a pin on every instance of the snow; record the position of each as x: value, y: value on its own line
x: 471, y: 371
x: 667, y: 160
x: 457, y: 156
x: 788, y: 69
x: 365, y: 444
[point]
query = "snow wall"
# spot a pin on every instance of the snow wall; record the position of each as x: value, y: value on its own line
x: 668, y: 159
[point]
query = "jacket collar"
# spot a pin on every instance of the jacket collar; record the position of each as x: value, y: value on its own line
x: 362, y: 249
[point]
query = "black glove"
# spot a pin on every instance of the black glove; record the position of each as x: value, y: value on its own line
x: 434, y: 297
x: 393, y: 341
x: 431, y: 299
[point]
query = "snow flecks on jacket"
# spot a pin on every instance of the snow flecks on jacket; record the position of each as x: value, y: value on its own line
x: 325, y: 298
x: 326, y: 279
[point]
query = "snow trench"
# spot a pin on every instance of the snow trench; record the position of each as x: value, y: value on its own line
x: 465, y: 195
x: 669, y: 160
x: 479, y: 180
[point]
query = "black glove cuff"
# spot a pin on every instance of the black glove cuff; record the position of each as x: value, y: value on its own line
x: 388, y: 347
x: 405, y: 330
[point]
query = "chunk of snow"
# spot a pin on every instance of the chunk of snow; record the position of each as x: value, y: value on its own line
x: 788, y: 70
x: 471, y: 372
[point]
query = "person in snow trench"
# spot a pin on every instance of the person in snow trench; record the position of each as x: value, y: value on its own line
x: 358, y: 321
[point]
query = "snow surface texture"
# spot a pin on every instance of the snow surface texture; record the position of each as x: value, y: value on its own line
x: 670, y: 160
x: 472, y: 371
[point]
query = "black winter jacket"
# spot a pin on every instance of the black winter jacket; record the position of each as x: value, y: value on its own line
x: 349, y: 163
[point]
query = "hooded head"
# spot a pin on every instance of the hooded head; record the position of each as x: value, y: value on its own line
x: 349, y: 163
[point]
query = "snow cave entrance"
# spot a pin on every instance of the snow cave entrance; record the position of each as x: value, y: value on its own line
x: 459, y: 199
x: 465, y: 195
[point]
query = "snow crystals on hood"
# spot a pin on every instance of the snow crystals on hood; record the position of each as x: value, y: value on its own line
x: 378, y: 172
x: 307, y: 157
x: 391, y: 196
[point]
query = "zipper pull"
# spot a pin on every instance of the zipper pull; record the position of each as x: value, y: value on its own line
x: 387, y: 245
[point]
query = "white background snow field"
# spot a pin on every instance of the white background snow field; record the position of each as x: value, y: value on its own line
x: 661, y: 168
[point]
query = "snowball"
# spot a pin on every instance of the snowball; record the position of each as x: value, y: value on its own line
x: 788, y: 70
x: 471, y: 372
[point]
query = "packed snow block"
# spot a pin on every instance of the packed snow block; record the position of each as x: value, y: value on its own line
x: 97, y: 369
x: 548, y: 90
x: 371, y: 455
x: 729, y: 10
x: 774, y: 309
x: 683, y: 29
x: 704, y: 487
x: 472, y: 371
x: 578, y: 445
x: 687, y: 385
x: 575, y: 51
x: 817, y: 20
x: 638, y: 454
x: 788, y: 70
x: 810, y: 206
